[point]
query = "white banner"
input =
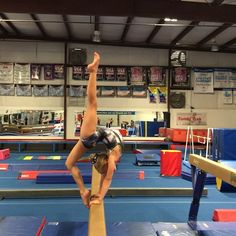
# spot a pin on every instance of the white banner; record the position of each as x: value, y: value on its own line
x: 203, y: 81
x: 191, y: 118
x: 21, y: 73
x: 232, y: 79
x: 6, y: 73
x: 234, y: 96
x: 221, y: 78
x: 228, y: 96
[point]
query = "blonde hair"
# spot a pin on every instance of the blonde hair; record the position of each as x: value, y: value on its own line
x: 100, y: 161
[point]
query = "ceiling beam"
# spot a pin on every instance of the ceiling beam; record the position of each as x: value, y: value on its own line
x: 182, y: 10
x: 126, y: 29
x: 39, y: 25
x: 3, y: 29
x: 155, y: 31
x: 96, y: 23
x: 228, y: 44
x: 217, y: 2
x: 10, y: 24
x: 213, y: 34
x: 184, y: 32
x: 67, y: 26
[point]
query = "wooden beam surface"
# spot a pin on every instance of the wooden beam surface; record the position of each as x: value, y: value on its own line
x: 217, y: 169
x: 97, y: 224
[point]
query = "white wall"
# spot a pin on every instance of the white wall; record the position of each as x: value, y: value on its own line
x: 218, y: 114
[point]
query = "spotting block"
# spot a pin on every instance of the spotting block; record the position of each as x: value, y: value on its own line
x: 4, y: 154
x: 224, y: 215
x: 4, y: 167
x: 171, y: 163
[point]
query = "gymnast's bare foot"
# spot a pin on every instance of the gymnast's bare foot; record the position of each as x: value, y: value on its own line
x: 92, y: 67
x: 85, y: 196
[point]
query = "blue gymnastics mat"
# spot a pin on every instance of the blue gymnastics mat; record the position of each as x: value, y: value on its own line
x: 173, y: 229
x: 199, y: 228
x: 210, y: 228
x: 187, y: 175
x: 113, y: 229
x: 60, y: 178
x: 222, y: 186
x: 21, y: 225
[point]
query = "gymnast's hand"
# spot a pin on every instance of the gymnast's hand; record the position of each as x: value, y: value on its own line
x: 85, y: 196
x: 95, y: 199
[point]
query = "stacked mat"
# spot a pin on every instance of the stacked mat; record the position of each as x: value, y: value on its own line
x: 187, y: 174
x: 147, y: 160
x: 223, y: 144
x: 147, y: 157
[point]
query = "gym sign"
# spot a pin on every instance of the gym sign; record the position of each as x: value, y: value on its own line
x: 191, y: 118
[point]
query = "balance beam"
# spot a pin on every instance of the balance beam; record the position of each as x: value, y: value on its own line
x: 97, y: 224
x: 221, y: 171
x: 112, y: 192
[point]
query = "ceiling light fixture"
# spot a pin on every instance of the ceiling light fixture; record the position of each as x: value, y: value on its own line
x: 96, y: 37
x: 214, y: 48
x: 167, y: 19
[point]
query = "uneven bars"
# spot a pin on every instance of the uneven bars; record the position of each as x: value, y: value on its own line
x: 97, y: 224
x: 217, y: 169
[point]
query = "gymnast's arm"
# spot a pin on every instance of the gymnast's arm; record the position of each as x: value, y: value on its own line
x: 106, y: 179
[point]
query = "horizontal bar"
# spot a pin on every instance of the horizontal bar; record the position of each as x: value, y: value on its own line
x: 112, y: 192
x: 217, y: 169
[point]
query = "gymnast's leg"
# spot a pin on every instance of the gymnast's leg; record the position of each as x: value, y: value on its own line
x: 87, y: 129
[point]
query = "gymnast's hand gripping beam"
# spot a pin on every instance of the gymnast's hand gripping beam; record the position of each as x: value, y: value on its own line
x: 97, y: 224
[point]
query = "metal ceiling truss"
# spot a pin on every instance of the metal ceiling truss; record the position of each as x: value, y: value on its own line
x: 216, y: 11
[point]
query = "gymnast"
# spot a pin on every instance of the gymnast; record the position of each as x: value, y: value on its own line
x: 90, y: 135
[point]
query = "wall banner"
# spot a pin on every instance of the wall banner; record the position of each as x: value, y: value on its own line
x: 203, y: 80
x: 191, y: 118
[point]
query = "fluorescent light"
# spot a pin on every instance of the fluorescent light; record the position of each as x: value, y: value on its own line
x: 96, y: 36
x: 167, y: 19
x: 214, y: 48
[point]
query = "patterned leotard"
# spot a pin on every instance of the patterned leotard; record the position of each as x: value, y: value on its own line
x: 111, y: 138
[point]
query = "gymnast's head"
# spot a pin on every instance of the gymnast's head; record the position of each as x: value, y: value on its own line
x: 100, y: 162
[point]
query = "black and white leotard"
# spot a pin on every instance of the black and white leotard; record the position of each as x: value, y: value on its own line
x: 111, y: 138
